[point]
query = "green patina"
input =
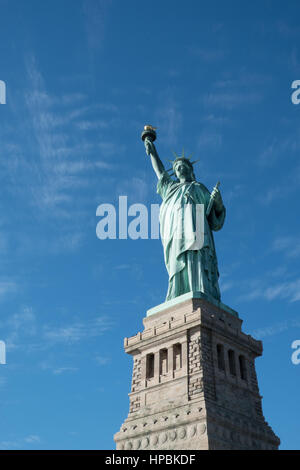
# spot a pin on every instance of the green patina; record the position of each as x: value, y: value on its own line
x: 191, y: 267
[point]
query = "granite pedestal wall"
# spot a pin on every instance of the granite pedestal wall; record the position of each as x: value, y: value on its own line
x: 194, y: 383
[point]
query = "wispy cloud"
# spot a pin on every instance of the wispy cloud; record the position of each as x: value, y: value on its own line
x: 95, y: 13
x: 231, y: 99
x: 7, y: 287
x: 102, y: 361
x: 289, y: 290
x: 23, y: 319
x: 208, y: 54
x: 71, y: 98
x: 92, y: 125
x: 32, y: 438
x: 3, y: 382
x: 19, y: 326
x: 169, y: 118
x: 216, y: 119
x: 289, y: 245
x: 275, y: 329
x: 63, y: 370
x: 59, y: 168
x: 279, y: 149
x: 67, y: 243
x: 78, y: 331
x: 226, y: 285
x: 20, y: 443
x: 281, y: 188
x: 51, y: 188
x: 136, y: 187
x: 233, y: 92
x: 23, y: 331
x: 209, y: 139
x: 280, y: 26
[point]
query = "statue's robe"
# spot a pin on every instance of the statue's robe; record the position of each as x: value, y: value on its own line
x: 191, y: 267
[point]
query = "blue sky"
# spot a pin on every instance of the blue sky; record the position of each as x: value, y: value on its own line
x: 82, y: 78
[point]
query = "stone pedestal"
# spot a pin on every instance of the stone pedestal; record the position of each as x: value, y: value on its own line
x: 194, y: 384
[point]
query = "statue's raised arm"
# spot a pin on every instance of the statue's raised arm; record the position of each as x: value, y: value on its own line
x: 148, y: 137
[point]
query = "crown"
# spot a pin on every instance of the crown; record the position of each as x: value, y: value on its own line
x: 180, y: 158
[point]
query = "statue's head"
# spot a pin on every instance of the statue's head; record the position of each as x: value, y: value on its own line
x: 183, y: 168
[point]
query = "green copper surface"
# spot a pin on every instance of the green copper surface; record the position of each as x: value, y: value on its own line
x: 187, y: 296
x: 191, y: 267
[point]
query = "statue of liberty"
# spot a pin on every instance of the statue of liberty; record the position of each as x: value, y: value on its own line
x: 191, y: 267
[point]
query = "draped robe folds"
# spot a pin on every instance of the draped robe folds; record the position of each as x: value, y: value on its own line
x: 191, y: 266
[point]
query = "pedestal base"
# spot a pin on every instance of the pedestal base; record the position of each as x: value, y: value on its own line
x: 194, y: 383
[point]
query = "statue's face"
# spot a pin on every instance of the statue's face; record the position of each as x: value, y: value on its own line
x: 183, y: 170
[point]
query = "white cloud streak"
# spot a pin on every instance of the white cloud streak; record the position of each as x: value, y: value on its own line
x: 275, y: 329
x: 289, y: 290
x: 288, y: 245
x: 78, y: 331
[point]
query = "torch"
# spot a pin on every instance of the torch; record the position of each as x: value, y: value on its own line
x: 149, y: 133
